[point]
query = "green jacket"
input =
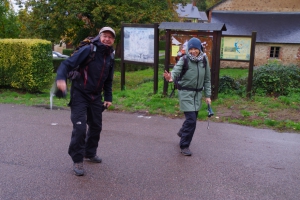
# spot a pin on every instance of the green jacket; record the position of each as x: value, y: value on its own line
x: 195, y: 77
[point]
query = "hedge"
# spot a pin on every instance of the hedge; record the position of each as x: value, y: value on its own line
x: 26, y: 64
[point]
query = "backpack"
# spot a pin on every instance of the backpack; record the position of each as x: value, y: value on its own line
x: 75, y: 73
x: 185, y: 67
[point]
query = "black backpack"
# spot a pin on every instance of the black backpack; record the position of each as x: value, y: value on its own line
x: 75, y: 73
x: 185, y: 67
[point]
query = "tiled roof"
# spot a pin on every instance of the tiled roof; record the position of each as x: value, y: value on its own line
x: 189, y: 11
x: 192, y: 26
x: 270, y: 27
x: 203, y: 16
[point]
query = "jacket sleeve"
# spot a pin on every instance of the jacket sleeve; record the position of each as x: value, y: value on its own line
x: 72, y: 62
x: 107, y: 87
x: 207, y: 80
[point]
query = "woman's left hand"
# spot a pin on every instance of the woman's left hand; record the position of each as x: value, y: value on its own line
x: 208, y: 100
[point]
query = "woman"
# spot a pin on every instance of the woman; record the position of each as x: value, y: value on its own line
x: 190, y: 86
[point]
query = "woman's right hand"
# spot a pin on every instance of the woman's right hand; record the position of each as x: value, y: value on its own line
x: 168, y: 76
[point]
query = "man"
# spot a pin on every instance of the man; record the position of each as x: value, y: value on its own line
x: 86, y: 96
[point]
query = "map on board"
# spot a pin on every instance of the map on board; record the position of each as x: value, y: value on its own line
x: 235, y: 48
x: 139, y: 44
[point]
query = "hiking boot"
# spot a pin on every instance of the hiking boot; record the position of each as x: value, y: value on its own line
x: 179, y: 134
x: 186, y: 152
x: 78, y: 169
x: 94, y: 159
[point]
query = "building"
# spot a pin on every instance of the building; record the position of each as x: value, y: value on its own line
x: 190, y: 13
x: 277, y: 24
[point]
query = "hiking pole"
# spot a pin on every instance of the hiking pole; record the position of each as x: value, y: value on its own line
x: 210, y: 113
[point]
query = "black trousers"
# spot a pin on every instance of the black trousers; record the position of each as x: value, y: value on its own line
x: 188, y: 129
x: 85, y: 113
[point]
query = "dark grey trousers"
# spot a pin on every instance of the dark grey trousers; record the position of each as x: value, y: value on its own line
x: 188, y: 128
x: 85, y: 113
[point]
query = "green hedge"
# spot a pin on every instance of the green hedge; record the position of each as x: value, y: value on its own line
x: 276, y: 79
x: 162, y: 45
x: 68, y: 51
x: 56, y: 63
x: 135, y: 67
x: 26, y: 64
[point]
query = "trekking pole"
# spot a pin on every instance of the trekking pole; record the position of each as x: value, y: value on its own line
x: 210, y: 113
x: 173, y: 91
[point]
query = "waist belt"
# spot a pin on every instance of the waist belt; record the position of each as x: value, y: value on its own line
x: 189, y: 89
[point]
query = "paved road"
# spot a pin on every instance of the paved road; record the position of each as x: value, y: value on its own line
x: 141, y: 160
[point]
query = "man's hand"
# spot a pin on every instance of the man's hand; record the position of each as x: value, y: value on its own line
x: 107, y: 104
x: 61, y: 85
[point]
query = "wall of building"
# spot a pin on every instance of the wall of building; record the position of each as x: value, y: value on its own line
x: 260, y: 5
x: 289, y: 54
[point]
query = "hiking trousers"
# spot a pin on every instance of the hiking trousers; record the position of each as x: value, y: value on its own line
x: 85, y: 113
x: 188, y: 129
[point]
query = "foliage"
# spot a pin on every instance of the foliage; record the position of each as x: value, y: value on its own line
x: 75, y: 20
x: 68, y: 51
x: 203, y: 5
x: 162, y: 44
x: 9, y: 24
x: 227, y: 85
x: 25, y: 64
x: 56, y: 63
x: 275, y: 79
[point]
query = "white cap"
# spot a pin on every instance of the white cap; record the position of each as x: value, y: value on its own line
x: 107, y: 29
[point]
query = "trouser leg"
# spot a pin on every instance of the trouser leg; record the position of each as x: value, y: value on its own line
x: 78, y: 118
x: 188, y: 128
x: 94, y: 121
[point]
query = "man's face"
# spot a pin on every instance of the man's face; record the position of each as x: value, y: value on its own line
x: 107, y: 38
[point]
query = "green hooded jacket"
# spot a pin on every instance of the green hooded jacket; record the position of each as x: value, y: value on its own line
x: 195, y: 77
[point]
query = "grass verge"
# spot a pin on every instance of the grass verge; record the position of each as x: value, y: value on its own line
x: 280, y: 114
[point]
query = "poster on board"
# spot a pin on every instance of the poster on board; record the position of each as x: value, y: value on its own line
x: 235, y: 48
x: 179, y: 44
x: 139, y: 44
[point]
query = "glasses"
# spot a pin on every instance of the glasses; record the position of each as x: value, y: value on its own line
x: 107, y: 37
x: 194, y: 50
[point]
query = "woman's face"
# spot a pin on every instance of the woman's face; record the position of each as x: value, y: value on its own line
x: 194, y: 52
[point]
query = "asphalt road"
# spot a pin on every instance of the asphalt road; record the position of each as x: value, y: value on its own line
x: 141, y: 160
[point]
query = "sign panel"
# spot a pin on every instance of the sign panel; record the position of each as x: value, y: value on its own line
x: 235, y: 48
x: 179, y: 44
x: 139, y: 44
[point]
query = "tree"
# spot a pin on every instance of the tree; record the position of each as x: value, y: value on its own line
x: 9, y: 25
x: 205, y: 4
x: 77, y: 19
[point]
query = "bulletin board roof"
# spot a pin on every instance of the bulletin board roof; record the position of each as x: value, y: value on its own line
x: 193, y: 26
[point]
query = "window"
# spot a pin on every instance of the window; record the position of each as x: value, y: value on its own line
x: 274, y: 52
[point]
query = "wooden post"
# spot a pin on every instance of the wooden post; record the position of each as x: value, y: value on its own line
x: 122, y: 62
x: 167, y: 59
x: 215, y: 65
x: 156, y: 57
x: 251, y: 64
x: 217, y: 40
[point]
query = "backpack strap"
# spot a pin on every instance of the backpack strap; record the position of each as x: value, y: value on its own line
x: 185, y: 66
x: 75, y: 73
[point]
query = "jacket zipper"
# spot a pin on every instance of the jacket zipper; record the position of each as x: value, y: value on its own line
x: 196, y: 93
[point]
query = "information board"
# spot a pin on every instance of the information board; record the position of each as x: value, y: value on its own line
x: 139, y: 44
x: 235, y: 48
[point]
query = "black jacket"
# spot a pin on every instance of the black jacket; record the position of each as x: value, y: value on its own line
x: 96, y: 76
